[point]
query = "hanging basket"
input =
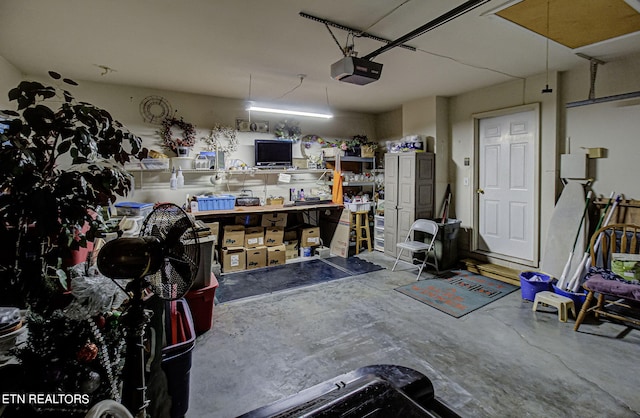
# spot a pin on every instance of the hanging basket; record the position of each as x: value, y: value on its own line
x: 367, y: 151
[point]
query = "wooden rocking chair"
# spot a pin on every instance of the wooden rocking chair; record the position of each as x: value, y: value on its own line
x: 616, y: 300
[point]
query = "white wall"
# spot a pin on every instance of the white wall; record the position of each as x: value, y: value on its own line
x: 10, y: 77
x: 612, y: 125
x: 389, y: 125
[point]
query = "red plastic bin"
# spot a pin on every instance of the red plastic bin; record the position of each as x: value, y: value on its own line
x: 201, y: 302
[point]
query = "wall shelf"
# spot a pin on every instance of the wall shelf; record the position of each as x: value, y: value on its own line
x: 236, y: 172
x: 159, y: 178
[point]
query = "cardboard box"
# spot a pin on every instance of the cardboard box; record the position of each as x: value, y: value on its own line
x: 247, y: 220
x: 273, y: 235
x: 340, y: 240
x: 275, y: 201
x: 274, y: 219
x: 233, y: 259
x: 214, y: 228
x: 254, y: 237
x: 233, y: 236
x: 276, y: 255
x: 291, y: 249
x: 291, y: 235
x: 256, y: 257
x: 310, y: 237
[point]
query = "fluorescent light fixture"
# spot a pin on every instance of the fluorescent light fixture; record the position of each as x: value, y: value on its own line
x: 289, y: 112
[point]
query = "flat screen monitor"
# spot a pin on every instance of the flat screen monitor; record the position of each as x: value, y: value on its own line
x: 271, y: 153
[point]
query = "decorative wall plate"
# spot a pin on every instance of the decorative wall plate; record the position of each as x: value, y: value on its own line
x: 154, y: 109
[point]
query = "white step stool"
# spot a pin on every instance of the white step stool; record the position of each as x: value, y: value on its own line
x: 562, y: 303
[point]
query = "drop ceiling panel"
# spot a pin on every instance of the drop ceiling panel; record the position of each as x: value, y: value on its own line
x: 575, y: 24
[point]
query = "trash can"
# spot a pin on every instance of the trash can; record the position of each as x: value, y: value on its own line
x: 201, y: 302
x: 447, y: 243
x: 532, y: 282
x: 176, y: 358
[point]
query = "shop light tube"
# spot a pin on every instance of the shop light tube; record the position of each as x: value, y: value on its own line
x: 289, y: 112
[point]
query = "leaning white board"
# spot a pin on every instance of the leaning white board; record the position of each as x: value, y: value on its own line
x: 562, y: 229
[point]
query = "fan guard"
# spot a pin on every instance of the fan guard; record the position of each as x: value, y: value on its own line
x: 181, y: 254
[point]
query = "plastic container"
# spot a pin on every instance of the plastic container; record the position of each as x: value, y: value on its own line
x: 356, y: 207
x: 578, y: 298
x: 155, y: 163
x: 305, y: 251
x: 203, y: 278
x: 176, y: 362
x: 532, y: 282
x: 201, y: 303
x: 134, y: 209
x: 221, y: 202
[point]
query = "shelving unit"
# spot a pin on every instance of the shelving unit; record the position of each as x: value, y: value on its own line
x: 162, y: 175
x: 361, y: 162
x: 378, y: 232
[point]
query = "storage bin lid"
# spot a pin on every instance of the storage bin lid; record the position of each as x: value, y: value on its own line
x: 135, y: 205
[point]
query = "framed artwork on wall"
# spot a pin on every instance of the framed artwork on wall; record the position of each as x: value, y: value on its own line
x: 244, y: 125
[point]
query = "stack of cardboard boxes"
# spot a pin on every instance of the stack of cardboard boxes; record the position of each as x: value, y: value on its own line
x: 267, y: 245
x: 245, y: 248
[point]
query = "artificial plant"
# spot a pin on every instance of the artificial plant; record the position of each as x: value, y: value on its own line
x: 60, y: 159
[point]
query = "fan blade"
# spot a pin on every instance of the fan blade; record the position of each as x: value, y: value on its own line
x: 177, y: 230
x: 182, y: 267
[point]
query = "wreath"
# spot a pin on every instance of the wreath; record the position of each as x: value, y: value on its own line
x: 217, y: 133
x: 288, y: 130
x: 188, y: 133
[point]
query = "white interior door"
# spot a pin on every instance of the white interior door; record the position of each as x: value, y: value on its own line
x: 507, y: 172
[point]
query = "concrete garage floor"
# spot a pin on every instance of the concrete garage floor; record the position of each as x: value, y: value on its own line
x: 502, y: 360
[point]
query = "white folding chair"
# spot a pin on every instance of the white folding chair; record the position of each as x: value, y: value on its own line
x: 415, y: 247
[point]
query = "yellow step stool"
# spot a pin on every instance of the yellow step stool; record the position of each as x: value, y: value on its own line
x: 562, y: 303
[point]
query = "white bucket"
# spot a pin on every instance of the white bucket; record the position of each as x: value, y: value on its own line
x: 305, y: 251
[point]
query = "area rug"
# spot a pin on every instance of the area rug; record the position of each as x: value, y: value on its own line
x: 353, y: 265
x: 233, y: 286
x: 459, y: 293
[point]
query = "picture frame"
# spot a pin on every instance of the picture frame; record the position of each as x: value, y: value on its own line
x: 244, y: 125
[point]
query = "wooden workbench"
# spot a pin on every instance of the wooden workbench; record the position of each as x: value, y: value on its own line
x: 259, y: 210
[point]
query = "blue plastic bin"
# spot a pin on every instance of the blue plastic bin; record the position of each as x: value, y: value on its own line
x: 578, y: 298
x: 221, y: 202
x: 532, y: 282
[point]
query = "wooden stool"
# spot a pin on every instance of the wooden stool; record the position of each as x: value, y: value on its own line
x: 562, y: 303
x: 361, y: 226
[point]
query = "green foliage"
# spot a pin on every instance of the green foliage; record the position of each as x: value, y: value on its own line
x: 59, y: 158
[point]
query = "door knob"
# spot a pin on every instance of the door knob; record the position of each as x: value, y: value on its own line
x: 480, y: 191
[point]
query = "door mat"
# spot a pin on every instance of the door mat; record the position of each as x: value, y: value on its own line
x: 248, y: 283
x: 459, y: 293
x: 353, y: 265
